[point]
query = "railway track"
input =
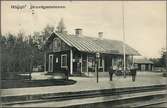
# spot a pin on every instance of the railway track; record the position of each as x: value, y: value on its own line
x: 121, y: 96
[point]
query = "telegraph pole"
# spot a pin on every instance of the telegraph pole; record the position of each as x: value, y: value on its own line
x: 166, y: 52
x: 166, y: 59
x: 123, y: 33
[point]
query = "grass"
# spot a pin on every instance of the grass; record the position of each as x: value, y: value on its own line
x: 5, y: 84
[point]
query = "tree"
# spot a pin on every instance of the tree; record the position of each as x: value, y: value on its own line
x: 19, y: 54
x: 20, y: 36
x: 61, y: 27
x: 11, y: 40
x: 2, y: 41
x: 160, y: 62
x: 3, y: 54
x: 47, y: 31
x: 163, y: 58
x: 9, y: 51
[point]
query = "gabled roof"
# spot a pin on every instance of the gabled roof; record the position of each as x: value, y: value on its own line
x: 142, y: 61
x: 90, y: 44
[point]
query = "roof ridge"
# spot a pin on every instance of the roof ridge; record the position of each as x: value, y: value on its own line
x: 85, y: 36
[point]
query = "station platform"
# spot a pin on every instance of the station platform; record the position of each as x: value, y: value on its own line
x: 86, y: 84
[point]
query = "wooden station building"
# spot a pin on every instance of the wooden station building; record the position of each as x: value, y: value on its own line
x: 78, y: 53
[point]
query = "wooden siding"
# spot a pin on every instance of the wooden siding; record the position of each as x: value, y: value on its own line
x: 81, y: 60
x: 57, y: 61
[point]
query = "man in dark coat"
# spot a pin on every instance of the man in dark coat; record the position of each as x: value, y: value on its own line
x: 133, y: 73
x: 66, y: 73
x: 111, y: 72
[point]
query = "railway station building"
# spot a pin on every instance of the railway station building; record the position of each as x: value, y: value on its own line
x: 78, y: 53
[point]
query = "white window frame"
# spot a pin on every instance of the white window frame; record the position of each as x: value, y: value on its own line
x: 50, y: 69
x: 62, y: 61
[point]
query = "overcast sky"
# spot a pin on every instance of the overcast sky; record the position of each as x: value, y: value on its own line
x: 145, y: 21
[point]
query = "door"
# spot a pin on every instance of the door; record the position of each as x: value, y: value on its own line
x: 50, y: 63
x: 76, y: 67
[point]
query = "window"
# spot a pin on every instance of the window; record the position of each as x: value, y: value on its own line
x: 55, y: 44
x: 64, y: 60
x: 51, y: 46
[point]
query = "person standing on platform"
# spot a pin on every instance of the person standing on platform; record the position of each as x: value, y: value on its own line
x: 133, y: 73
x: 66, y: 73
x: 111, y: 72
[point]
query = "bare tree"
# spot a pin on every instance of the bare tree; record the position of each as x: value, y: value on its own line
x: 46, y: 32
x: 61, y: 27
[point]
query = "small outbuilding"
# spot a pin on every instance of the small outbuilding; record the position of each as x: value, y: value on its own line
x: 143, y: 64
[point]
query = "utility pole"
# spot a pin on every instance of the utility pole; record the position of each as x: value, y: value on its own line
x: 166, y: 52
x: 166, y: 59
x: 123, y: 33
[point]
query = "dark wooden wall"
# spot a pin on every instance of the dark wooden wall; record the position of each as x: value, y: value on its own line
x: 57, y: 66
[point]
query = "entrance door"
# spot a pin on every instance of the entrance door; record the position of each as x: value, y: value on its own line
x: 76, y: 67
x: 50, y: 63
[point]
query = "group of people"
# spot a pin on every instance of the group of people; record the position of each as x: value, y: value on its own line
x: 114, y: 69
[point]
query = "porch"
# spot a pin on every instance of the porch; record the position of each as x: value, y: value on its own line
x: 83, y: 63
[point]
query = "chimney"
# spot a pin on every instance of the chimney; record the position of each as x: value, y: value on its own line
x: 78, y: 32
x: 100, y: 35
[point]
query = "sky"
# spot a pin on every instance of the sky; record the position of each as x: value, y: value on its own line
x: 145, y: 21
